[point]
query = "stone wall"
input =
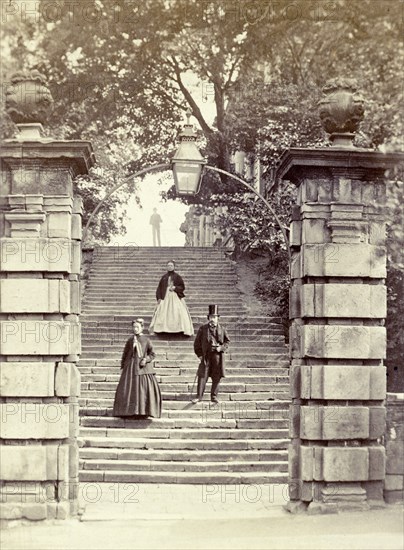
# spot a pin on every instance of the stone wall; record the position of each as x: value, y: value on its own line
x: 40, y: 233
x: 337, y: 335
x: 394, y: 443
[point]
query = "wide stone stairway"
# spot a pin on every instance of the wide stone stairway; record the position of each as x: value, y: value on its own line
x: 243, y: 439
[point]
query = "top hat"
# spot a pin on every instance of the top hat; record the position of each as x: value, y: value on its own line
x: 213, y: 310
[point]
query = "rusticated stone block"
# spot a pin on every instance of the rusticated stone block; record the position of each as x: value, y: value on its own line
x: 377, y: 422
x: 67, y: 380
x: 78, y: 205
x: 311, y: 463
x: 295, y: 265
x: 19, y: 201
x: 343, y: 382
x: 343, y: 300
x: 15, y: 510
x: 394, y: 482
x: 306, y: 463
x: 33, y: 462
x: 35, y: 255
x: 34, y: 421
x: 378, y: 383
x: 76, y: 232
x: 377, y: 462
x: 75, y: 257
x: 333, y: 423
x: 324, y: 187
x: 343, y: 342
x: 395, y: 457
x: 73, y: 461
x: 35, y: 338
x: 294, y: 301
x: 295, y: 339
x: 314, y: 231
x: 294, y: 422
x: 34, y: 296
x: 343, y: 260
x: 294, y: 457
x: 31, y: 379
x: 75, y: 299
x: 74, y: 338
x: 309, y: 190
x: 63, y: 462
x: 59, y: 225
x: 346, y: 464
x: 294, y: 381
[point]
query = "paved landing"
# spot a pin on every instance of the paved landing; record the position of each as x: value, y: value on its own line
x: 151, y: 516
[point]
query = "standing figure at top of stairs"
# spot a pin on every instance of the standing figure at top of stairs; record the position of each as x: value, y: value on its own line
x: 138, y: 392
x: 171, y: 314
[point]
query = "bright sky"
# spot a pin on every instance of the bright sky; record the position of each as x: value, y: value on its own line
x: 139, y: 230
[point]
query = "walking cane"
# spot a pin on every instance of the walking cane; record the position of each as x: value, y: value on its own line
x: 193, y: 385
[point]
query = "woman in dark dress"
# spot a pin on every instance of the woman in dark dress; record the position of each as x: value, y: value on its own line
x: 171, y: 314
x: 138, y: 392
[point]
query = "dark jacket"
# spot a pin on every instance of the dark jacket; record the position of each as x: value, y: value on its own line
x: 163, y: 284
x: 202, y: 347
x: 128, y: 355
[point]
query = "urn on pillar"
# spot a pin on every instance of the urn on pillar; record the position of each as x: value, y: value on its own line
x: 337, y: 312
x: 341, y: 110
x: 28, y: 103
x: 40, y: 234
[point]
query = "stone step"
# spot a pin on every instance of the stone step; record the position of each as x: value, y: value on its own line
x: 161, y: 362
x: 224, y: 411
x: 110, y: 374
x: 235, y: 351
x: 107, y: 389
x: 201, y: 478
x: 257, y: 321
x: 179, y: 466
x: 94, y: 453
x: 178, y: 399
x: 94, y: 381
x: 242, y: 439
x: 200, y: 421
x: 183, y: 443
x: 235, y: 341
x: 171, y: 358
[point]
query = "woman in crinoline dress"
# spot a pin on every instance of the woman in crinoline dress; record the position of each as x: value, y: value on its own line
x: 171, y: 314
x: 138, y: 392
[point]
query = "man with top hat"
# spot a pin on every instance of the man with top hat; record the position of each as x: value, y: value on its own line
x: 210, y: 344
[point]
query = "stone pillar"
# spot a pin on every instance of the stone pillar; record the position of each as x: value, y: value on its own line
x: 337, y: 312
x: 40, y: 256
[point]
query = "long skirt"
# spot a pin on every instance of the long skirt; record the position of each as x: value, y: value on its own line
x: 137, y: 395
x: 172, y: 315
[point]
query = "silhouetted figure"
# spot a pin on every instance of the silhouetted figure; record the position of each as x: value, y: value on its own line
x: 155, y: 221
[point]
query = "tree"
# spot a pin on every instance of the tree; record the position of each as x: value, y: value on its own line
x: 124, y: 71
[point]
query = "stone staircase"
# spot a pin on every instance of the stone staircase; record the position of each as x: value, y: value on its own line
x: 243, y: 439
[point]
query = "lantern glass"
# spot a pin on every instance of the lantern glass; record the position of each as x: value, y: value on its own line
x: 187, y: 177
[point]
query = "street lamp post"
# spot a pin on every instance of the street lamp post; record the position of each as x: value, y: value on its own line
x: 187, y: 166
x: 187, y: 163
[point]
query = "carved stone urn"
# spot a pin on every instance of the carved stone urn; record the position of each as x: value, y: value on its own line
x: 28, y: 103
x: 341, y: 110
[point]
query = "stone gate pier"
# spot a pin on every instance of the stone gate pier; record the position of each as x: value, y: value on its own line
x: 40, y: 251
x: 337, y: 312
